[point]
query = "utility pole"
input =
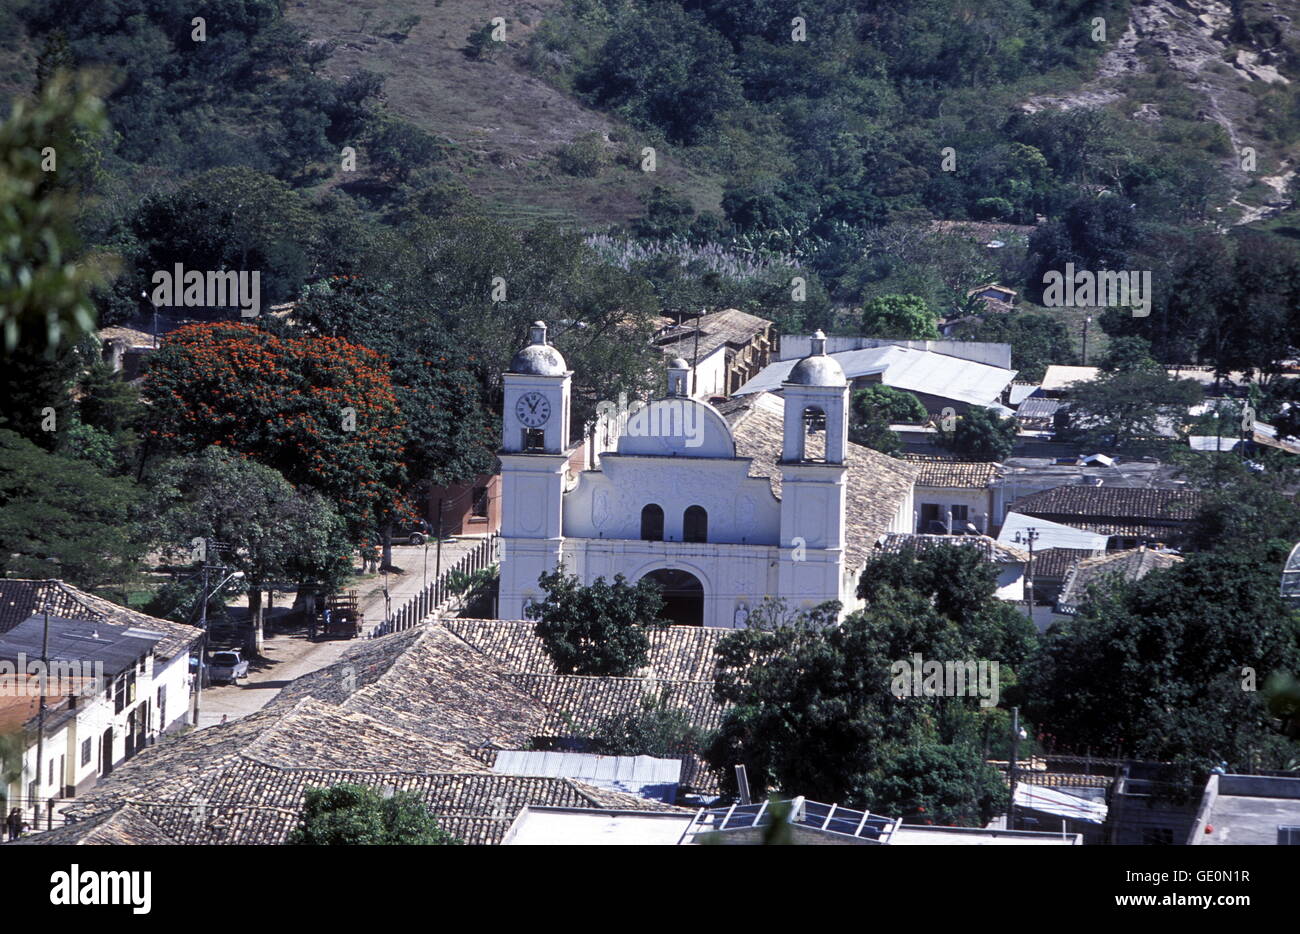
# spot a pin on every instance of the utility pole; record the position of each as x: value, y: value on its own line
x: 1011, y: 772
x: 1029, y: 536
x: 437, y: 560
x: 203, y: 644
x: 695, y: 360
x: 40, y: 716
x: 1086, y: 321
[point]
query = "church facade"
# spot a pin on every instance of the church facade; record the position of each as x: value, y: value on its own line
x: 721, y: 507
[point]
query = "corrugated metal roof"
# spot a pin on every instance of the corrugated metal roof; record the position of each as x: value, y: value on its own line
x: 639, y: 775
x: 902, y: 368
x: 1212, y: 443
x: 1050, y: 534
x: 1051, y: 801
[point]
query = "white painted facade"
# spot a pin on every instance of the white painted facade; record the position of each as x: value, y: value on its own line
x: 161, y: 691
x: 676, y: 453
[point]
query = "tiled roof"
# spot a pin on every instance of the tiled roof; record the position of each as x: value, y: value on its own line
x: 1134, y: 564
x: 1054, y: 563
x: 580, y: 702
x: 253, y: 803
x: 125, y: 825
x: 730, y: 326
x: 414, y: 711
x: 430, y: 682
x: 680, y: 672
x: 310, y: 734
x: 877, y: 483
x: 677, y: 653
x: 992, y: 549
x: 1124, y: 504
x: 935, y: 471
x: 1148, y: 532
x: 21, y: 599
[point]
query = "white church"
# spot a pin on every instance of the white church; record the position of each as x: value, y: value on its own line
x: 722, y: 506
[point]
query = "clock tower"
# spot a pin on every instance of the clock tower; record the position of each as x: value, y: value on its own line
x: 534, y: 460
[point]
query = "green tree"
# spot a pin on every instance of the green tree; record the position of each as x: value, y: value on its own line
x: 656, y: 729
x: 980, y: 434
x: 936, y: 784
x: 1037, y: 340
x: 662, y: 68
x: 1161, y: 668
x: 809, y: 708
x: 355, y: 815
x: 62, y: 518
x: 45, y: 287
x: 596, y: 630
x: 1128, y: 410
x: 904, y: 317
x: 895, y: 406
x: 874, y: 409
x: 270, y: 531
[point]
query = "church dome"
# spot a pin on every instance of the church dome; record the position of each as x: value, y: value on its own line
x: 538, y: 358
x: 817, y: 369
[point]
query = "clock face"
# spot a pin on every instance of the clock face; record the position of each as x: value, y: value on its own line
x: 533, y: 409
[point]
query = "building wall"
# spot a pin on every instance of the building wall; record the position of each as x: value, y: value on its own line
x: 458, y: 503
x: 978, y: 504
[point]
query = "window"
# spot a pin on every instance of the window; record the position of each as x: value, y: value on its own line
x: 51, y: 778
x: 119, y: 694
x: 960, y: 514
x: 534, y: 439
x: 85, y: 752
x: 695, y: 525
x: 479, y: 508
x: 652, y: 523
x: 1288, y: 835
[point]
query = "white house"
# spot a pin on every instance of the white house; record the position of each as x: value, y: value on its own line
x: 722, y: 509
x: 116, y: 680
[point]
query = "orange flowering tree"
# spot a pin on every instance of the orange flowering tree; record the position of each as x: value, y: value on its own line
x: 320, y: 410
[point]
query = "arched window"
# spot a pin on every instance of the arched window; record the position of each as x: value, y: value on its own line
x: 695, y: 525
x: 814, y: 437
x: 652, y: 523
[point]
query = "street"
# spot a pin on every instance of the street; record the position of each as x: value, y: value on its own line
x: 289, y: 654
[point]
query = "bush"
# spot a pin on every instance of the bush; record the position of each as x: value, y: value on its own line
x: 584, y: 157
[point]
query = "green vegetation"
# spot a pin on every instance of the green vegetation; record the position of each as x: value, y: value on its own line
x: 354, y: 815
x: 598, y: 629
x: 980, y: 435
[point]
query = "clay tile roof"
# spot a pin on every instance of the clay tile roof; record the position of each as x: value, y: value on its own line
x: 950, y: 472
x: 253, y: 803
x: 991, y: 548
x: 731, y: 326
x: 677, y: 653
x: 1122, y: 504
x: 125, y: 825
x: 878, y: 484
x: 428, y: 681
x: 22, y: 599
x: 1130, y: 565
x: 1055, y: 563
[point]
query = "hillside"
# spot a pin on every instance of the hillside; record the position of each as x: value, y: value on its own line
x: 505, y: 122
x: 1174, y: 62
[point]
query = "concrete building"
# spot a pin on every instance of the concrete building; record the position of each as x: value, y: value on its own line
x: 720, y: 508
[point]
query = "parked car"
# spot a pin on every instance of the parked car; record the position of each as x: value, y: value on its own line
x: 414, y: 532
x: 227, y: 665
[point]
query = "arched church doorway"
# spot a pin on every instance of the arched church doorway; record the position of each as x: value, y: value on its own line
x: 683, y: 596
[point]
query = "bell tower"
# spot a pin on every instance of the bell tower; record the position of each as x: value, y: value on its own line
x: 534, y: 458
x: 813, y: 478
